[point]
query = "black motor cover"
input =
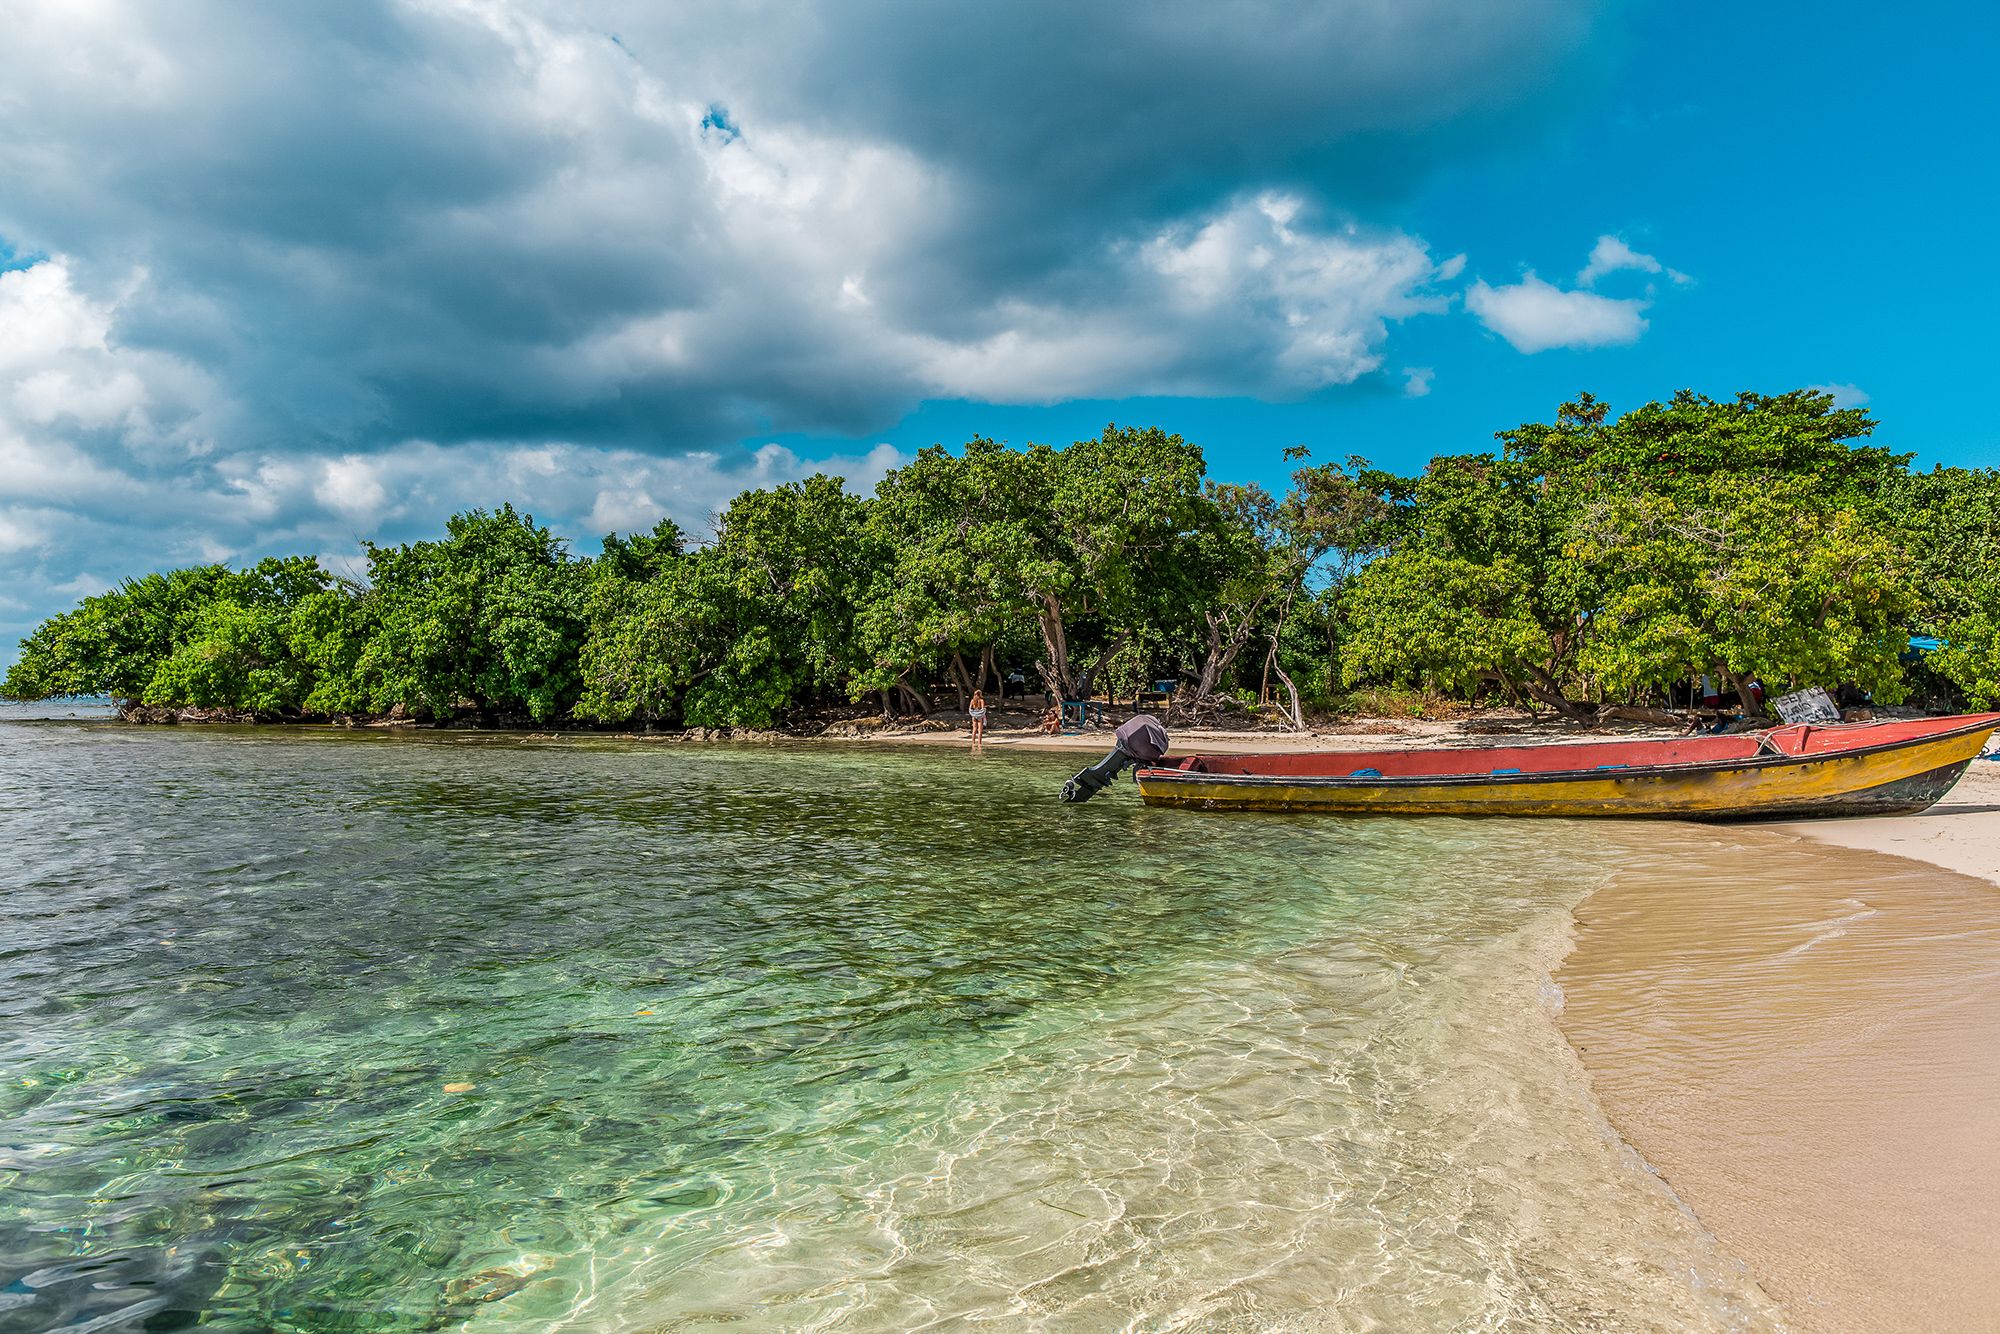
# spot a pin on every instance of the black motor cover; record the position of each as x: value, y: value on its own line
x: 1142, y: 740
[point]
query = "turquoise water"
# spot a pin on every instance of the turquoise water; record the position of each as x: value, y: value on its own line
x: 330, y: 1031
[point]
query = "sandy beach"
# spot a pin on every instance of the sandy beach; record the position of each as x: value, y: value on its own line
x: 1805, y: 1045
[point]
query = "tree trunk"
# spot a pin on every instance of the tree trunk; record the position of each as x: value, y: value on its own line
x: 917, y: 697
x: 1221, y: 656
x: 1751, y: 709
x: 1055, y: 645
x: 987, y: 664
x: 1083, y: 683
x: 1544, y: 688
x: 888, y: 706
x: 1298, y: 716
x: 961, y: 680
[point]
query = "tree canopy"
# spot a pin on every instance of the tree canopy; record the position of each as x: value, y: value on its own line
x: 1587, y: 558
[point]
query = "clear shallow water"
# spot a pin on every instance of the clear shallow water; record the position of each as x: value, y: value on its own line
x: 804, y: 1038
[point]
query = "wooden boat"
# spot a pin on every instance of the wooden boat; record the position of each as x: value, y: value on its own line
x: 1801, y: 771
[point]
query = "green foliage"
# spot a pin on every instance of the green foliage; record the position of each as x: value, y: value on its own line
x: 740, y: 633
x: 1754, y: 580
x: 1589, y: 555
x: 1694, y: 536
x: 490, y: 619
x: 953, y: 534
x: 1423, y: 617
x: 1947, y: 521
x: 208, y: 637
x: 1477, y: 583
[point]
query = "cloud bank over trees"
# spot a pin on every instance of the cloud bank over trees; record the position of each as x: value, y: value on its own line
x: 278, y: 277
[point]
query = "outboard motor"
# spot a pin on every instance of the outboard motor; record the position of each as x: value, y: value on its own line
x: 1140, y: 741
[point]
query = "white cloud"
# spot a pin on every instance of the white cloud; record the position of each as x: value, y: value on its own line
x: 1535, y: 316
x: 22, y: 528
x: 1253, y: 298
x: 572, y: 248
x: 42, y: 316
x: 1417, y: 381
x: 70, y: 384
x: 351, y: 485
x: 1612, y: 255
x: 1844, y: 395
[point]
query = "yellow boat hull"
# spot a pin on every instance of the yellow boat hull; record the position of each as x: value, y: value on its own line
x: 1903, y: 778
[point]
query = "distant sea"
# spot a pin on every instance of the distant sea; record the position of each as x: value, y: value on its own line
x: 310, y: 1030
x: 79, y: 708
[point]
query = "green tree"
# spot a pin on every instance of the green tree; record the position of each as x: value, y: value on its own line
x: 1745, y: 578
x: 1475, y: 584
x: 207, y: 637
x: 742, y: 632
x: 491, y: 619
x: 1947, y: 521
x: 948, y: 531
x: 1639, y: 549
x: 1108, y: 523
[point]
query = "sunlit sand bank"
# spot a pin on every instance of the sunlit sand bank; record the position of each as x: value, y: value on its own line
x: 1804, y: 1041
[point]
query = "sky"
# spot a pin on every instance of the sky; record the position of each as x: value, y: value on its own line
x: 280, y: 279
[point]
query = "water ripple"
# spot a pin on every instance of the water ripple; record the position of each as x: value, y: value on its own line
x: 312, y: 1031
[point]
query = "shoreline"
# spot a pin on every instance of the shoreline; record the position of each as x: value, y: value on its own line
x: 1960, y: 833
x: 1014, y: 729
x: 1800, y: 1044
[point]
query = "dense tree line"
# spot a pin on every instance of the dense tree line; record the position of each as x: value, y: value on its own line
x: 1588, y: 559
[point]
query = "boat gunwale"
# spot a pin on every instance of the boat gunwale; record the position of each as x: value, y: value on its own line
x: 1613, y: 773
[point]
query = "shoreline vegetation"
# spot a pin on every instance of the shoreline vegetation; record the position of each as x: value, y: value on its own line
x: 1593, y: 568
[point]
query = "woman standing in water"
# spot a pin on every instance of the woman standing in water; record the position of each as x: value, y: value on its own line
x: 977, y: 712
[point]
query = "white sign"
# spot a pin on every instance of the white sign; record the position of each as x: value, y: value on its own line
x: 1811, y: 705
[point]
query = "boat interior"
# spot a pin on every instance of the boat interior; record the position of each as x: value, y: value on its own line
x: 1797, y: 740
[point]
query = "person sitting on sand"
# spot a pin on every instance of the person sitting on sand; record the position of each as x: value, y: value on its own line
x: 1051, y: 721
x: 978, y: 714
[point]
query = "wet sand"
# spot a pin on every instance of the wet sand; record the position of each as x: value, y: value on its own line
x: 1960, y: 833
x: 1804, y: 1041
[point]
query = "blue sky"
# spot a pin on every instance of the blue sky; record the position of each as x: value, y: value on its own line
x: 277, y: 281
x: 1823, y: 173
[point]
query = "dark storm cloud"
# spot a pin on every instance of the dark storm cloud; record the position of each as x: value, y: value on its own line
x: 1071, y: 122
x: 289, y: 257
x: 409, y: 219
